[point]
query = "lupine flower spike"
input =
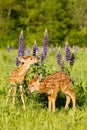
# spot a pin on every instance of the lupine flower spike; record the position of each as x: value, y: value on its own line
x: 59, y: 56
x: 20, y: 48
x: 67, y: 51
x: 45, y: 45
x: 35, y: 48
x: 72, y: 59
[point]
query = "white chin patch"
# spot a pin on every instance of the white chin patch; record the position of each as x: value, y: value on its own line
x: 27, y: 67
x: 23, y: 61
x: 32, y: 90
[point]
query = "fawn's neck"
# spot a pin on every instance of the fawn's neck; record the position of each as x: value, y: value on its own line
x: 23, y: 69
x: 44, y: 89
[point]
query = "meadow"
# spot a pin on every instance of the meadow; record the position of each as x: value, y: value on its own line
x: 36, y: 116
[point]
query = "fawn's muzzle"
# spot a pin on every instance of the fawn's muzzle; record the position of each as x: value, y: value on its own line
x: 37, y: 64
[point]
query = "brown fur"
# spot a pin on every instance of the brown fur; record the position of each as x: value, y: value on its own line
x: 52, y: 85
x: 18, y: 76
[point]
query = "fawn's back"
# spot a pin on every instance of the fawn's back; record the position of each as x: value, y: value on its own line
x: 58, y: 79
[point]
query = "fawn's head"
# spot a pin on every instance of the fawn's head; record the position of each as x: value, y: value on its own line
x: 34, y: 84
x: 29, y: 60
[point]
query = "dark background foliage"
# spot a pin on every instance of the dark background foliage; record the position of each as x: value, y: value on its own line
x: 65, y: 20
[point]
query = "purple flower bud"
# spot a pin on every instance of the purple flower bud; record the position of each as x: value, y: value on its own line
x: 17, y: 61
x: 35, y: 48
x: 72, y: 59
x: 21, y: 44
x: 62, y: 65
x: 43, y: 56
x: 68, y: 53
x: 46, y: 37
x: 45, y: 46
x: 59, y: 56
x: 21, y: 47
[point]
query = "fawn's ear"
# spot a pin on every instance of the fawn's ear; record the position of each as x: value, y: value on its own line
x: 21, y: 59
x: 36, y: 76
x: 40, y: 77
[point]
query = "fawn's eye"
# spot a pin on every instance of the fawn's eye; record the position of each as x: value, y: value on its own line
x: 32, y: 85
x: 30, y: 58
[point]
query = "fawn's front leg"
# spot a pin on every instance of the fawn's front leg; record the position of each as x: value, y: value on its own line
x: 49, y: 103
x: 9, y: 93
x: 53, y: 99
x: 22, y: 97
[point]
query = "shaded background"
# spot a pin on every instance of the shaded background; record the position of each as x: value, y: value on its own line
x: 64, y: 19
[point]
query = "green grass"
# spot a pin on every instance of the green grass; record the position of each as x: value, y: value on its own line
x: 36, y: 116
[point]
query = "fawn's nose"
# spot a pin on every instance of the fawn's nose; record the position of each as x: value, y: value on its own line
x: 28, y: 91
x: 37, y: 64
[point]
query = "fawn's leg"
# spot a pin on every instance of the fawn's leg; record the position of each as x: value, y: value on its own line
x: 9, y: 93
x: 53, y: 97
x: 67, y: 101
x: 14, y: 94
x: 53, y: 104
x: 49, y: 103
x: 71, y: 93
x: 22, y: 96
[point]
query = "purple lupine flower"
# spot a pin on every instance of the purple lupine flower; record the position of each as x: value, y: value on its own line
x: 72, y: 59
x: 68, y: 53
x: 21, y: 43
x: 35, y: 48
x: 59, y: 56
x: 46, y: 37
x: 43, y: 56
x: 17, y: 62
x: 45, y: 45
x: 20, y: 48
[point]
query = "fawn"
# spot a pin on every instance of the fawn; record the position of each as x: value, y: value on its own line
x: 52, y: 85
x: 18, y: 76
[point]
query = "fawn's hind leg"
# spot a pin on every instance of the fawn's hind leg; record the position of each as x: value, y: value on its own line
x: 67, y: 101
x: 72, y: 95
x: 22, y: 97
x: 14, y: 95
